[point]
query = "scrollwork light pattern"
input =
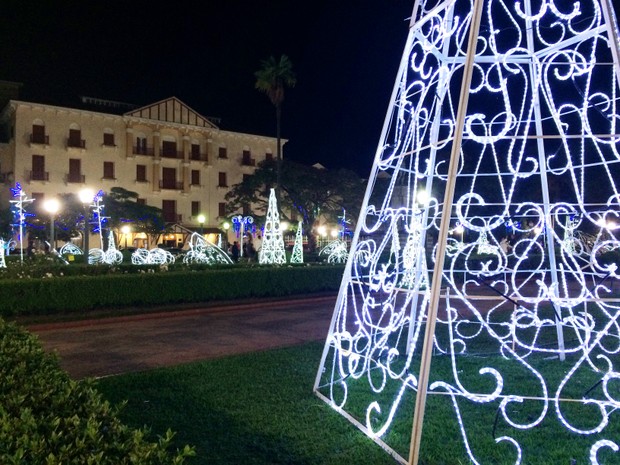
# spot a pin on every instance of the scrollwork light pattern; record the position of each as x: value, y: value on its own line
x: 536, y: 170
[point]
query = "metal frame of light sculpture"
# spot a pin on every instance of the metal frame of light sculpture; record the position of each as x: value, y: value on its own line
x: 20, y: 214
x: 203, y: 251
x: 336, y: 251
x: 297, y: 255
x: 272, y: 248
x: 152, y: 257
x: 507, y: 112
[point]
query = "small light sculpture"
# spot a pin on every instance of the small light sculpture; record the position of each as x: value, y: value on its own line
x: 21, y: 214
x: 203, y: 251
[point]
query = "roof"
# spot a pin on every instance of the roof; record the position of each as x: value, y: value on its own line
x: 172, y: 110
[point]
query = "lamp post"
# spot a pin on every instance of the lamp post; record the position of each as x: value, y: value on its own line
x: 201, y: 220
x: 86, y: 197
x: 52, y: 206
x: 126, y: 230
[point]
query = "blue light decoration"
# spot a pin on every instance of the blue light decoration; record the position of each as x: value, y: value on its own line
x: 20, y: 214
x: 241, y: 225
x: 501, y: 109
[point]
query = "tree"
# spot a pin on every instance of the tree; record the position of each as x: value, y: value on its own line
x: 122, y: 207
x: 271, y: 79
x: 311, y: 192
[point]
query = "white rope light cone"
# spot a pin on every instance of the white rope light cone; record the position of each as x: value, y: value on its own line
x: 272, y: 248
x: 505, y: 114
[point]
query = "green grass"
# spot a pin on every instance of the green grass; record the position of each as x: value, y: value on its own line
x: 259, y: 409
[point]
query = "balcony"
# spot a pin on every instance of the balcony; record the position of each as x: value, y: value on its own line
x: 42, y: 139
x: 198, y: 157
x: 76, y: 178
x: 143, y: 151
x: 248, y: 161
x: 76, y: 143
x: 171, y: 154
x: 172, y: 217
x: 175, y: 185
x: 39, y: 176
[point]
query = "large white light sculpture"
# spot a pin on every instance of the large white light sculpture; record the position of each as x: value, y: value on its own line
x: 272, y: 248
x: 505, y: 113
x: 203, y: 251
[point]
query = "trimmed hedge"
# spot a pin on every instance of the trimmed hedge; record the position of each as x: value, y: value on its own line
x: 37, y: 296
x: 48, y: 418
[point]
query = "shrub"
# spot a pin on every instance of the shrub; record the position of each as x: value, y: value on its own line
x: 48, y: 418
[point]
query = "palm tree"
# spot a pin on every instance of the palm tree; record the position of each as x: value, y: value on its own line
x: 271, y: 79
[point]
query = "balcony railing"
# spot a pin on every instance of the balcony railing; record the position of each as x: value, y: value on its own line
x: 248, y: 162
x: 143, y: 150
x: 42, y: 139
x: 198, y: 157
x: 76, y: 143
x: 176, y: 185
x: 39, y: 176
x: 77, y: 178
x: 171, y: 154
x: 172, y: 217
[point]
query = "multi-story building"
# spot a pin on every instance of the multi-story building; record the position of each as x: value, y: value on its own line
x: 174, y: 158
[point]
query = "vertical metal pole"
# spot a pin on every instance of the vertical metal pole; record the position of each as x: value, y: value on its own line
x: 542, y: 163
x: 86, y: 233
x: 425, y: 363
x: 52, y: 236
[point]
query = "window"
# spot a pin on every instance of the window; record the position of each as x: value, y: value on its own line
x: 195, y: 208
x: 38, y: 135
x: 195, y: 153
x: 269, y: 156
x: 75, y: 139
x: 108, y: 170
x: 108, y: 139
x: 75, y: 170
x: 223, y: 153
x: 141, y: 173
x: 222, y: 180
x: 169, y: 179
x: 169, y: 209
x: 140, y: 148
x: 38, y: 172
x: 169, y: 149
x: 195, y: 177
x: 221, y: 209
x: 247, y: 159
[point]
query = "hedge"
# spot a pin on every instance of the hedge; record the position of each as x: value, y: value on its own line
x: 37, y: 296
x: 48, y: 418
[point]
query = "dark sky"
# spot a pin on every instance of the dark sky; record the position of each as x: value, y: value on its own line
x: 345, y: 54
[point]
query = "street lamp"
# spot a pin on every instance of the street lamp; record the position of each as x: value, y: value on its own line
x: 52, y: 206
x: 241, y: 222
x: 126, y: 230
x: 86, y: 197
x: 201, y: 220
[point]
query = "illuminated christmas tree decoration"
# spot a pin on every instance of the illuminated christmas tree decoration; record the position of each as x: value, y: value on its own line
x: 504, y: 121
x: 203, y: 251
x: 297, y: 256
x: 272, y: 248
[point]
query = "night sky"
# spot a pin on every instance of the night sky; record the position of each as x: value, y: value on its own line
x: 345, y: 55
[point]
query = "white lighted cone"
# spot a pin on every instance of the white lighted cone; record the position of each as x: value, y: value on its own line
x: 272, y: 248
x: 503, y: 113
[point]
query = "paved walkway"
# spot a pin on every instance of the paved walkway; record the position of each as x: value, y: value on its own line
x: 115, y: 345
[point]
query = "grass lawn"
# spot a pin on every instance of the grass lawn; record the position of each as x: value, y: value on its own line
x: 251, y: 409
x: 259, y: 409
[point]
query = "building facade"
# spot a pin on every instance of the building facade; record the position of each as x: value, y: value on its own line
x: 174, y: 158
